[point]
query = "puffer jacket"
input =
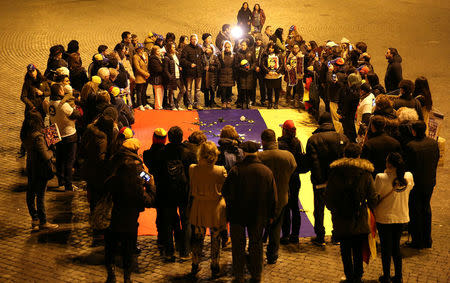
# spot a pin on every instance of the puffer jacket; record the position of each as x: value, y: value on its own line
x: 156, y: 68
x: 245, y: 75
x: 192, y: 54
x: 226, y: 70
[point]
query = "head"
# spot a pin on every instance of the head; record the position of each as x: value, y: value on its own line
x: 394, y: 161
x: 406, y: 88
x: 250, y: 148
x: 364, y: 89
x: 268, y: 137
x: 407, y: 114
x: 383, y: 102
x: 226, y: 29
x: 175, y: 134
x: 56, y: 91
x: 113, y: 73
x: 207, y: 39
x: 244, y: 45
x: 171, y: 48
x: 421, y: 87
x: 378, y: 123
x: 354, y: 79
x: 170, y: 37
x: 156, y: 50
x: 209, y: 49
x: 279, y: 33
x: 373, y: 79
x: 208, y: 153
x: 103, y: 97
x: 229, y: 132
x: 32, y: 71
x: 120, y: 49
x: 227, y: 47
x: 296, y: 48
x: 159, y: 136
x: 102, y: 49
x: 140, y: 48
x: 184, y: 40
x: 418, y: 129
x: 193, y: 39
x: 352, y: 150
x: 271, y: 47
x: 103, y: 73
x: 33, y: 122
x: 289, y: 129
x: 268, y: 30
x: 197, y: 137
x: 390, y: 53
x: 361, y: 46
x: 258, y: 40
x: 126, y: 37
x: 134, y: 39
x: 256, y: 8
x: 65, y: 80
x: 244, y: 6
x: 73, y: 46
x: 325, y: 117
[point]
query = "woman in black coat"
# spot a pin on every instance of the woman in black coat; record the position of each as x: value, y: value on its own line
x: 156, y: 68
x: 226, y: 74
x: 209, y: 80
x: 245, y: 66
x: 39, y: 167
x: 244, y: 18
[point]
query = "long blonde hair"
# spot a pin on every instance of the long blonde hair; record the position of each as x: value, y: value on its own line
x: 208, y: 151
x: 223, y: 48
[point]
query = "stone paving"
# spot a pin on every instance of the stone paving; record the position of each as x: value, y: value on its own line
x: 419, y: 29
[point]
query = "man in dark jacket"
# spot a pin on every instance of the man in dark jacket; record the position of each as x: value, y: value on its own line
x: 350, y: 191
x: 282, y: 163
x: 406, y: 99
x: 379, y: 145
x: 251, y: 196
x: 322, y: 148
x: 258, y: 51
x: 421, y: 156
x: 394, y: 70
x: 223, y: 36
x: 288, y: 141
x: 192, y: 60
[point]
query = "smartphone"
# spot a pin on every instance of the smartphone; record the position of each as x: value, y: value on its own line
x: 144, y: 176
x: 317, y: 55
x: 350, y: 47
x: 329, y: 64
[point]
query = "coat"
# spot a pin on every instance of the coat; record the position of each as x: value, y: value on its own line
x: 294, y: 146
x: 393, y: 74
x: 244, y: 19
x: 262, y: 18
x: 322, y: 148
x: 349, y: 192
x: 282, y: 163
x: 39, y: 156
x: 230, y: 153
x: 245, y: 75
x: 266, y: 68
x: 192, y: 55
x: 409, y: 102
x: 220, y: 39
x: 210, y: 77
x: 250, y: 193
x: 208, y: 206
x: 94, y: 151
x: 226, y: 70
x: 156, y: 68
x: 140, y: 68
x: 169, y: 72
x: 377, y: 148
x: 29, y: 94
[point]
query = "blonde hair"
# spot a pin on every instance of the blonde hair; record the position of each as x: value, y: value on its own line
x: 229, y: 132
x: 407, y: 114
x: 208, y: 151
x: 223, y: 48
x: 154, y: 48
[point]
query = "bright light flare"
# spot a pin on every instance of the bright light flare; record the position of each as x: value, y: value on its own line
x: 236, y: 32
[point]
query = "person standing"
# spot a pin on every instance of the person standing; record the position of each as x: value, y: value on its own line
x: 34, y: 90
x: 244, y: 18
x: 209, y: 80
x: 208, y: 208
x: 156, y: 68
x: 364, y: 110
x: 258, y: 51
x: 393, y: 74
x: 272, y: 66
x: 193, y: 65
x: 245, y: 66
x: 250, y: 193
x: 294, y: 77
x: 140, y: 64
x: 223, y: 36
x: 406, y: 98
x: 173, y: 75
x: 421, y: 157
x: 322, y: 148
x: 349, y: 193
x: 391, y: 213
x: 423, y: 94
x: 226, y: 74
x: 258, y: 18
x: 282, y: 163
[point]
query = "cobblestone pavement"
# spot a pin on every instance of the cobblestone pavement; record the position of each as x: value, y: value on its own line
x: 419, y: 29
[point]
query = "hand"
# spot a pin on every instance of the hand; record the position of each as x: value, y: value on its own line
x: 270, y: 220
x: 331, y: 67
x: 193, y: 65
x: 147, y: 75
x: 39, y: 92
x: 151, y: 182
x: 288, y: 67
x: 181, y: 69
x: 257, y: 69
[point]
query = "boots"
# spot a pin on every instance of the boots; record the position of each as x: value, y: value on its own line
x: 111, y: 274
x: 215, y: 269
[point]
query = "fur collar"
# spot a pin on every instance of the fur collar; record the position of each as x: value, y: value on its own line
x: 355, y: 162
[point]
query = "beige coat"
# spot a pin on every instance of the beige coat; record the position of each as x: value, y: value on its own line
x: 208, y: 205
x: 140, y: 67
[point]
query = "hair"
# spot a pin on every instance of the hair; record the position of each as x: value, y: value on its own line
x: 314, y: 45
x: 373, y: 79
x: 102, y: 48
x: 242, y: 8
x: 259, y: 7
x: 169, y: 46
x: 154, y: 49
x: 365, y: 87
x: 393, y: 51
x: 421, y: 87
x: 112, y: 61
x: 407, y: 86
x: 396, y: 160
x: 268, y: 135
x: 362, y: 46
x: 407, y: 114
x: 118, y: 48
x: 208, y: 151
x: 103, y: 72
x: 170, y: 37
x: 267, y: 27
x: 325, y: 117
x: 125, y: 34
x: 229, y: 132
x: 103, y: 96
x: 113, y: 73
x: 279, y: 34
x: 175, y: 134
x: 420, y: 128
x: 181, y: 41
x: 383, y: 102
x: 73, y: 46
x: 197, y: 137
x: 159, y: 42
x: 378, y: 122
x: 193, y: 35
x: 352, y: 150
x: 33, y: 122
x: 225, y: 27
x: 271, y: 45
x: 55, y: 91
x: 223, y: 48
x: 133, y: 36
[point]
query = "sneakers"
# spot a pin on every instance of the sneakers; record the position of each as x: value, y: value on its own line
x: 198, y: 107
x: 174, y: 109
x: 35, y: 225
x: 194, y: 270
x: 141, y: 108
x: 189, y: 107
x: 215, y: 270
x: 284, y: 241
x: 73, y: 189
x: 48, y: 226
x: 148, y: 107
x: 294, y: 239
x: 318, y: 241
x: 181, y: 108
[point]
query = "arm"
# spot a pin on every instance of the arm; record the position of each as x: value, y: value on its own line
x: 138, y: 68
x: 24, y: 96
x: 42, y: 148
x: 313, y: 160
x: 372, y: 196
x: 184, y: 59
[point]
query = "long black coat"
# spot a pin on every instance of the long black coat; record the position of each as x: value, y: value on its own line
x: 156, y: 68
x: 192, y: 55
x: 210, y: 77
x: 226, y: 70
x: 169, y: 72
x: 350, y: 190
x: 393, y: 74
x: 377, y: 148
x: 250, y: 193
x: 322, y: 148
x: 245, y: 76
x: 38, y: 155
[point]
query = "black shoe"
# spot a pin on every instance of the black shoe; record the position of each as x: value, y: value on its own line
x: 384, y: 279
x: 294, y: 239
x: 275, y: 106
x: 169, y: 258
x: 396, y: 279
x: 194, y: 269
x: 269, y: 106
x: 413, y: 245
x: 335, y: 241
x: 318, y: 241
x: 284, y: 241
x: 111, y: 275
x: 137, y: 250
x: 271, y: 260
x: 215, y: 269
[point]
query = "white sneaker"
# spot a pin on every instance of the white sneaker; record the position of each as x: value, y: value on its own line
x: 181, y: 108
x: 148, y: 107
x: 174, y: 109
x: 141, y: 108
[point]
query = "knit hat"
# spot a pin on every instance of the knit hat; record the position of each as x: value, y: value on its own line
x: 139, y: 46
x: 31, y: 67
x: 126, y: 132
x: 345, y: 40
x: 250, y: 146
x: 96, y: 79
x: 291, y: 28
x: 205, y: 36
x: 363, y: 70
x: 55, y: 50
x: 132, y: 144
x: 289, y: 125
x: 159, y: 136
x: 354, y: 79
x: 114, y: 90
x: 98, y: 57
x: 340, y: 61
x: 152, y: 34
x: 62, y: 71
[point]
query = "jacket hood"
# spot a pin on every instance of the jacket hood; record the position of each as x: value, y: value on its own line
x: 325, y: 127
x: 353, y: 162
x: 96, y: 131
x: 396, y: 59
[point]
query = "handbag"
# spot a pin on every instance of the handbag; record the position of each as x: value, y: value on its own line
x: 101, y: 217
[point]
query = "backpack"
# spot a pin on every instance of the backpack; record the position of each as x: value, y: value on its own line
x: 177, y: 181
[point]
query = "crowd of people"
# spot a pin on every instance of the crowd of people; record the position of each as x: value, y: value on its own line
x: 370, y: 153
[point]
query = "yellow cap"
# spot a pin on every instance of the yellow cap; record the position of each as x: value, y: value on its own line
x: 160, y: 132
x: 96, y: 79
x: 114, y: 91
x: 98, y: 57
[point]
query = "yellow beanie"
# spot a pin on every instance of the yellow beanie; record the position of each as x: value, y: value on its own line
x: 96, y: 79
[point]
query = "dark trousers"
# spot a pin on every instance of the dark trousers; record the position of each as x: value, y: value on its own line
x: 175, y: 102
x: 292, y: 210
x: 186, y: 231
x: 141, y: 95
x: 270, y: 92
x: 127, y: 246
x: 35, y: 198
x: 349, y: 128
x: 353, y: 266
x: 209, y: 97
x: 245, y: 97
x: 420, y: 216
x: 198, y: 238
x: 390, y: 235
x: 255, y: 249
x: 319, y: 209
x: 297, y: 92
x: 65, y: 159
x: 225, y: 94
x: 274, y: 230
x: 169, y: 225
x: 262, y: 90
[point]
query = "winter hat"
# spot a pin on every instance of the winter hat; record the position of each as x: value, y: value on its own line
x: 62, y: 71
x: 250, y: 146
x: 152, y: 34
x: 98, y: 57
x: 105, y: 123
x: 289, y: 125
x: 31, y: 68
x: 148, y: 40
x: 293, y: 27
x: 132, y: 144
x: 363, y: 70
x: 354, y: 79
x: 159, y: 136
x: 126, y: 132
x: 103, y: 72
x: 55, y: 50
x: 96, y: 79
x: 340, y: 61
x: 68, y: 89
x: 345, y: 40
x: 139, y: 46
x: 115, y: 91
x: 331, y: 44
x: 205, y: 36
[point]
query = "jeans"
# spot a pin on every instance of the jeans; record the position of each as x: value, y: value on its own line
x: 198, y: 82
x: 169, y: 225
x: 65, y: 159
x: 270, y: 95
x: 292, y: 210
x: 255, y: 249
x: 274, y: 230
x: 297, y: 93
x: 262, y: 89
x: 390, y: 235
x: 197, y: 243
x: 158, y: 90
x: 352, y: 245
x: 319, y: 208
x: 35, y: 198
x: 141, y: 95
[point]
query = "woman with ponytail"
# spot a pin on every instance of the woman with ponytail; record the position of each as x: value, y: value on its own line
x: 208, y: 205
x: 393, y: 186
